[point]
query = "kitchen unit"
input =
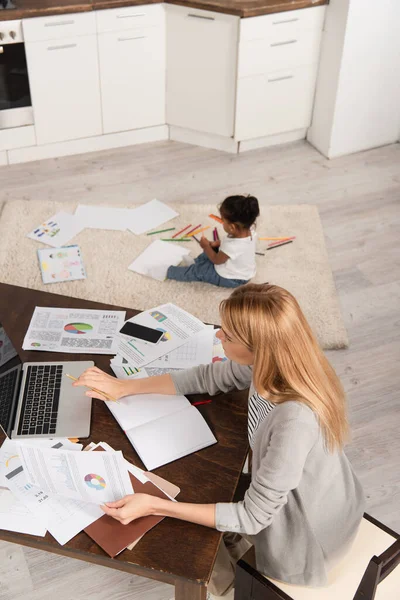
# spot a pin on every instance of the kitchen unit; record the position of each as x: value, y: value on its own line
x: 120, y: 76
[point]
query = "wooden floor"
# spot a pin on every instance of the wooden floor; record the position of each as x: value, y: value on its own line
x: 359, y: 201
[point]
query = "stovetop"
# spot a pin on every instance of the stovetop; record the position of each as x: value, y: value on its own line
x: 6, y: 4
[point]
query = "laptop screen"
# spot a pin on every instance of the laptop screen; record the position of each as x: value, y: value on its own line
x: 10, y: 368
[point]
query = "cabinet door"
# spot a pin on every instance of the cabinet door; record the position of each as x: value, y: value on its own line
x: 65, y: 89
x: 132, y: 76
x: 275, y: 102
x: 201, y: 69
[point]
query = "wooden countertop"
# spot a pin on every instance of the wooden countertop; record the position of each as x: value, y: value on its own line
x: 240, y: 8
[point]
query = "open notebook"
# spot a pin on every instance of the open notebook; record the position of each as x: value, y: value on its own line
x: 161, y: 428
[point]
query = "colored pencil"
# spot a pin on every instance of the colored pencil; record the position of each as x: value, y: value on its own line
x: 284, y: 240
x: 201, y: 402
x: 195, y: 238
x: 182, y: 230
x: 278, y: 245
x: 198, y: 231
x: 260, y: 253
x: 161, y: 231
x: 194, y: 229
x: 176, y: 239
x: 216, y: 235
x: 274, y: 238
x: 107, y: 396
x: 215, y: 218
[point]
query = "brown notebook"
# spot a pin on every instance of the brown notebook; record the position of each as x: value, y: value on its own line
x: 114, y: 537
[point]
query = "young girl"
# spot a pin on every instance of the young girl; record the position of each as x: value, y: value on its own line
x: 229, y: 263
x: 304, y: 503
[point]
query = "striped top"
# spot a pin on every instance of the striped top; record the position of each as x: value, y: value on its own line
x: 259, y: 408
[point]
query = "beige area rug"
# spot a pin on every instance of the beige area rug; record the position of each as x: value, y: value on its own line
x: 302, y: 267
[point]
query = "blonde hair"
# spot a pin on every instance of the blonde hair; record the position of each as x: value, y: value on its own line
x: 288, y: 362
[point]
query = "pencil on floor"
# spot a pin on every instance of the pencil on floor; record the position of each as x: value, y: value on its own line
x: 198, y: 231
x: 176, y: 239
x: 274, y: 238
x: 280, y: 241
x: 194, y: 229
x: 107, y: 396
x: 279, y: 245
x: 260, y: 253
x: 181, y: 231
x: 160, y: 231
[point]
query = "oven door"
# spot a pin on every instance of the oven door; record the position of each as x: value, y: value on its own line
x: 15, y: 98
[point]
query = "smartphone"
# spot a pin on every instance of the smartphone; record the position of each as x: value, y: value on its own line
x: 142, y: 333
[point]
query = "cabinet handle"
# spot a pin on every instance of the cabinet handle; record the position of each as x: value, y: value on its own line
x: 201, y: 17
x: 285, y: 21
x: 64, y: 47
x: 59, y: 23
x: 280, y: 78
x: 138, y: 37
x: 283, y: 43
x: 131, y: 16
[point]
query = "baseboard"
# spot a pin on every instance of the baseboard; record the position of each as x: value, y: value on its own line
x: 3, y: 158
x: 93, y: 144
x: 272, y: 140
x: 206, y: 140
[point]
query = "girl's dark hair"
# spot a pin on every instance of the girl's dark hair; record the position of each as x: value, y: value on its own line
x: 241, y: 210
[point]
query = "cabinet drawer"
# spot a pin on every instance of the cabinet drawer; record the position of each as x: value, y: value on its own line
x: 119, y: 19
x: 62, y: 26
x: 274, y: 103
x: 284, y: 24
x: 276, y: 52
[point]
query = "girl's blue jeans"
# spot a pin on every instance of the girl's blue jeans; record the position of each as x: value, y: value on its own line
x: 202, y: 270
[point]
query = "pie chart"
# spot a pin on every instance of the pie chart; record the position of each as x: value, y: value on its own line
x: 79, y: 328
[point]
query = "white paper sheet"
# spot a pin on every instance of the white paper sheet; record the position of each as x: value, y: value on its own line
x: 73, y: 330
x: 57, y: 231
x: 197, y: 351
x: 155, y: 260
x: 85, y: 476
x: 178, y: 326
x: 15, y: 516
x: 103, y: 217
x: 123, y: 370
x: 61, y: 264
x: 132, y: 411
x: 149, y: 216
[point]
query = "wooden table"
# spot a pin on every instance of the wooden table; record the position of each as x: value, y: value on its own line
x: 174, y: 552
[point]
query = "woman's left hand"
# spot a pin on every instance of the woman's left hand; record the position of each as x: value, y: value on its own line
x: 130, y: 507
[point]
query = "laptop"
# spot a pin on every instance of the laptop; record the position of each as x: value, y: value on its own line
x: 38, y: 400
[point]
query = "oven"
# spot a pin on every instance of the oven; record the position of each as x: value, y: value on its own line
x: 15, y: 98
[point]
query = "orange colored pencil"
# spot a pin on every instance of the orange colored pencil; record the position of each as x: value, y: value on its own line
x: 181, y: 231
x: 215, y: 218
x: 197, y: 231
x: 283, y: 240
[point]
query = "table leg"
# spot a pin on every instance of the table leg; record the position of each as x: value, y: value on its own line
x: 186, y: 590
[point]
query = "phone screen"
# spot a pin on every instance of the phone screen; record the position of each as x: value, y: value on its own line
x: 141, y: 332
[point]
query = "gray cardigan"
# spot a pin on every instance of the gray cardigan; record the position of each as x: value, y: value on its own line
x: 304, y: 504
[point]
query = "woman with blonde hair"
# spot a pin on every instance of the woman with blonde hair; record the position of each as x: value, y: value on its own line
x: 304, y: 503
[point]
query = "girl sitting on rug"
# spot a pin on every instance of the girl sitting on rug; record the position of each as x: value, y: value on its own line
x: 229, y: 263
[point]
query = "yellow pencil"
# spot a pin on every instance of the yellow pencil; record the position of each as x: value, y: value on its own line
x: 198, y: 231
x: 107, y: 396
x: 273, y: 238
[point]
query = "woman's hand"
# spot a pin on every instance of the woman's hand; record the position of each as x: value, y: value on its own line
x: 95, y: 378
x: 130, y: 508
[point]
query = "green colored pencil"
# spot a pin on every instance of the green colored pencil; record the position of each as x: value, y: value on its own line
x: 176, y: 239
x: 161, y: 231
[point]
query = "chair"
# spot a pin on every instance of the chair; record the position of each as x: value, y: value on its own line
x: 356, y: 577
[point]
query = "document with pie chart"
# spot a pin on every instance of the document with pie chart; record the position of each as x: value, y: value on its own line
x: 74, y: 330
x: 94, y: 477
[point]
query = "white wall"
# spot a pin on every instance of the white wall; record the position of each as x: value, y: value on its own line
x: 357, y: 102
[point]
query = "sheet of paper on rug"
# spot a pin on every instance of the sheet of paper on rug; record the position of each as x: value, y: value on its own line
x: 150, y: 215
x: 58, y: 230
x: 197, y: 351
x: 61, y: 264
x: 63, y: 518
x: 73, y: 330
x: 7, y: 350
x: 85, y: 476
x: 126, y: 371
x: 158, y: 256
x: 103, y: 217
x: 171, y: 437
x: 178, y: 327
x: 15, y: 516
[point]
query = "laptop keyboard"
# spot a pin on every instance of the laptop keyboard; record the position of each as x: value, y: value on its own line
x: 7, y: 385
x: 41, y: 397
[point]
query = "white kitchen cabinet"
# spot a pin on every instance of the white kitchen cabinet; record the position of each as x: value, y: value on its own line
x: 201, y: 69
x: 132, y: 68
x: 277, y: 70
x: 64, y: 77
